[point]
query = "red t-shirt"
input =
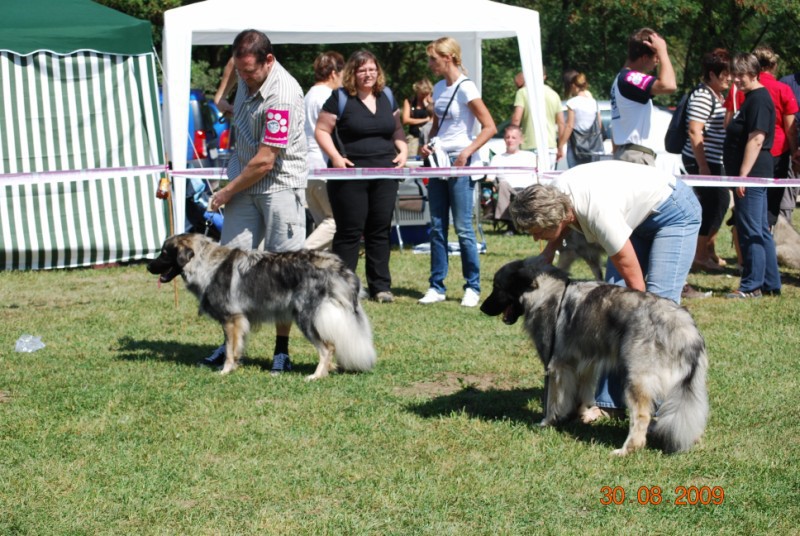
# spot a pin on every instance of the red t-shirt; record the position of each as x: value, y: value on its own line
x: 785, y: 104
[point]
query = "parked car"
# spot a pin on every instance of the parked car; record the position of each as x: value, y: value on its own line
x: 207, y: 132
x: 222, y: 127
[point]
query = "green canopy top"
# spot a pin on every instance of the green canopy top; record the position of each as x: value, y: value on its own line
x: 64, y: 26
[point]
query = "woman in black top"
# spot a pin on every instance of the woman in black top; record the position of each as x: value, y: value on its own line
x: 746, y: 153
x: 368, y: 134
x: 417, y: 114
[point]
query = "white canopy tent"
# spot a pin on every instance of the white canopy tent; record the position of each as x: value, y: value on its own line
x: 217, y: 22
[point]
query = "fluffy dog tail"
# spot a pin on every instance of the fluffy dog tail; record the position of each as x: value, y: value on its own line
x: 682, y: 417
x: 349, y: 331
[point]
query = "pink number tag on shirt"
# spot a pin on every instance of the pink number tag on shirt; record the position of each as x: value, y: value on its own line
x: 638, y: 79
x: 276, y: 131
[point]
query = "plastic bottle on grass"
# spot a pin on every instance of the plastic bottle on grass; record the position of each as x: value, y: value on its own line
x: 28, y: 344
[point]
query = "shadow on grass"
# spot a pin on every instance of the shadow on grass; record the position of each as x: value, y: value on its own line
x: 514, y: 405
x: 130, y: 349
x: 490, y: 405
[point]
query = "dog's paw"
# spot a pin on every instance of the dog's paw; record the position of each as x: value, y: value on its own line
x: 313, y: 377
x: 545, y: 423
x: 227, y: 369
x: 619, y: 452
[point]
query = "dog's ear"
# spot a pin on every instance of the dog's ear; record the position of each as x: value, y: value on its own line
x: 185, y: 254
x: 526, y: 275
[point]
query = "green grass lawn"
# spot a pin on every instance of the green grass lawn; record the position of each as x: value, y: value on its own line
x: 112, y: 429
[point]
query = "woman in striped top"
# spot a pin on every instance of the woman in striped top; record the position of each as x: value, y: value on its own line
x: 702, y: 154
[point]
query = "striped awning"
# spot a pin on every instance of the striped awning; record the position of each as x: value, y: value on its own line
x: 81, y: 154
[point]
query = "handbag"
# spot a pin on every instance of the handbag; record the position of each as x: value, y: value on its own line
x: 587, y: 144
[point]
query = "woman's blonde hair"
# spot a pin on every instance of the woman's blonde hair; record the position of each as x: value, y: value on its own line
x: 539, y: 206
x: 354, y: 62
x: 766, y: 57
x: 423, y: 86
x: 447, y: 46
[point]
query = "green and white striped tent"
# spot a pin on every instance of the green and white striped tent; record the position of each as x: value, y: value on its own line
x: 81, y: 148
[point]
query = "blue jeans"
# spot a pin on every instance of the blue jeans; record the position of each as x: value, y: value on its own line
x: 455, y: 194
x: 760, y: 269
x: 665, y: 244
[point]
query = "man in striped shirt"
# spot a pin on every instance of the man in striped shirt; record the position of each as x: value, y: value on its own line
x: 265, y: 197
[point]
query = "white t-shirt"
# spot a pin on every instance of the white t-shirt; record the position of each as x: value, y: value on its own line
x: 611, y: 198
x: 314, y: 100
x: 585, y: 109
x: 519, y: 159
x: 631, y: 108
x: 456, y: 132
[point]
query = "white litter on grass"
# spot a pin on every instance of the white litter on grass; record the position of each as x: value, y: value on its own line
x: 28, y: 344
x: 452, y: 248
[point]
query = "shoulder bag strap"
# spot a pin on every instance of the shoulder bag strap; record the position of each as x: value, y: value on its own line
x: 453, y: 96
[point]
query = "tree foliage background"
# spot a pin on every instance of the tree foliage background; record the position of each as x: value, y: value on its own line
x: 587, y: 35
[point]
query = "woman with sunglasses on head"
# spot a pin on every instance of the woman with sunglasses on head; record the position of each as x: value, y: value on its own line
x: 457, y: 108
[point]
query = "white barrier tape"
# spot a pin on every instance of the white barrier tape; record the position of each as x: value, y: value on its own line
x: 432, y: 173
x: 78, y: 175
x: 711, y: 180
x: 200, y: 173
x: 374, y: 173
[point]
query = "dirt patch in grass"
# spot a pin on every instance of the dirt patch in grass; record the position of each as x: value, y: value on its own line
x: 5, y: 397
x: 453, y: 382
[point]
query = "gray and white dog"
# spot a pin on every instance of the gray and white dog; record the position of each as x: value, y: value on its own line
x: 240, y: 289
x: 584, y: 328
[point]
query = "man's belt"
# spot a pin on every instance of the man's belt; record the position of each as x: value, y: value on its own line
x: 640, y: 148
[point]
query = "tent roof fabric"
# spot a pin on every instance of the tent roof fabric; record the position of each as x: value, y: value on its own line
x: 66, y: 26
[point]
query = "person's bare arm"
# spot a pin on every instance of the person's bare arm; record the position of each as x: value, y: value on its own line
x: 516, y: 116
x: 226, y: 85
x: 323, y: 133
x: 665, y: 82
x: 627, y: 264
x: 399, y: 138
x: 560, y: 127
x: 698, y: 146
x: 569, y: 125
x: 258, y: 166
x: 751, y: 150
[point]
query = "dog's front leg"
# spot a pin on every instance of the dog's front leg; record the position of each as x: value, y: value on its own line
x: 562, y: 398
x: 236, y: 328
x: 553, y: 411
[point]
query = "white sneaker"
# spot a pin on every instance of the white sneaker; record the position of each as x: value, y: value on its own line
x: 471, y: 298
x: 432, y: 296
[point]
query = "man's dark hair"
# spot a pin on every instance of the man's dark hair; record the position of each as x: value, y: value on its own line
x: 636, y: 44
x: 716, y: 61
x: 252, y: 43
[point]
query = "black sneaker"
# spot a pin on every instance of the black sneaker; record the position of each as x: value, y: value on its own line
x: 215, y: 360
x: 281, y: 363
x: 739, y: 295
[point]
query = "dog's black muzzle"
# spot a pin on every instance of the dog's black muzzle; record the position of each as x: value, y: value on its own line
x: 166, y: 269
